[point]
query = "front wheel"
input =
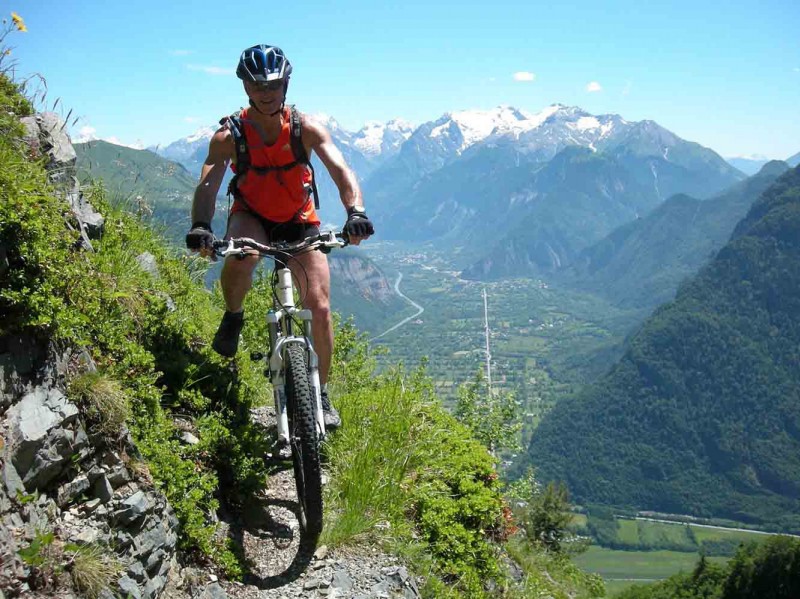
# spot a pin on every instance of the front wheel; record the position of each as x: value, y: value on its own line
x: 304, y: 440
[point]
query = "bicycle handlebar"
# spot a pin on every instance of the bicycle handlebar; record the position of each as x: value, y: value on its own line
x: 243, y: 246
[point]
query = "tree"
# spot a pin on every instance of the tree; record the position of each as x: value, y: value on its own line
x: 492, y: 417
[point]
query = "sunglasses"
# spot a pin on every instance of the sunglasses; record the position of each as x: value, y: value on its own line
x: 270, y: 86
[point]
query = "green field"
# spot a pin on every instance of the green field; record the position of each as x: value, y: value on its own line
x: 621, y: 569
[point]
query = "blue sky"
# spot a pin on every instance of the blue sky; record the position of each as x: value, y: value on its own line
x: 724, y: 74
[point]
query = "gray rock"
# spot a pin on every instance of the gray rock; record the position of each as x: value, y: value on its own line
x: 118, y: 476
x: 55, y: 143
x: 102, y: 489
x: 11, y: 480
x: 381, y: 589
x: 129, y: 587
x: 189, y: 438
x: 53, y: 457
x: 315, y: 583
x: 71, y: 489
x: 31, y: 135
x: 91, y: 505
x: 86, y: 536
x: 147, y: 262
x: 39, y: 443
x: 92, y: 222
x: 342, y: 581
x: 213, y: 591
x: 133, y: 507
x: 154, y: 586
x: 136, y: 571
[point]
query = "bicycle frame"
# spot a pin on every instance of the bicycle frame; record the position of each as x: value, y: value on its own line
x: 279, y: 322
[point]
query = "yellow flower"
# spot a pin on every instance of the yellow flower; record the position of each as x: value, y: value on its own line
x: 20, y: 24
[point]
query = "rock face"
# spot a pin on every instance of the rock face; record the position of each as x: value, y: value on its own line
x: 46, y: 135
x: 64, y: 488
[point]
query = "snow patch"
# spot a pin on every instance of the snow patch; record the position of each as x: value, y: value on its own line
x: 587, y: 122
x: 202, y: 133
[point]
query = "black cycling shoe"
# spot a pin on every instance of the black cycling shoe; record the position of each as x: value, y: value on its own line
x: 226, y: 341
x: 329, y: 413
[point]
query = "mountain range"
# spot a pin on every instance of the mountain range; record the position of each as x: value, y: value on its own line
x: 702, y: 414
x: 554, y: 182
x: 641, y: 264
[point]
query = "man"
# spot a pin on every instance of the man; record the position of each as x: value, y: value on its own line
x: 273, y: 199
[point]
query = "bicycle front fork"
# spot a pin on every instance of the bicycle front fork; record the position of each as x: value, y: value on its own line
x: 277, y: 372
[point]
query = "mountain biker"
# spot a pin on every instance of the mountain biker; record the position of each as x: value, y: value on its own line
x: 273, y: 200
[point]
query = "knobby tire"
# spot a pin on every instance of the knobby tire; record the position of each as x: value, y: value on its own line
x: 304, y: 440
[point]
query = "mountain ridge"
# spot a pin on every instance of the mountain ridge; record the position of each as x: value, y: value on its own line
x: 702, y: 414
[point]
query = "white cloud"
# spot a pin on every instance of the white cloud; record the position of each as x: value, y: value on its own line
x: 137, y: 145
x: 211, y: 70
x: 524, y: 76
x: 86, y: 133
x: 191, y: 119
x: 797, y: 69
x: 180, y: 52
x: 594, y: 86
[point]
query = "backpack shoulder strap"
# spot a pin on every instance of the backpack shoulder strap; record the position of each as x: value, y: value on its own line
x: 236, y: 127
x: 299, y: 150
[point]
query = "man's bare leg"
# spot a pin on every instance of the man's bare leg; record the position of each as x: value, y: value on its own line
x: 236, y: 280
x: 313, y: 279
x: 237, y: 274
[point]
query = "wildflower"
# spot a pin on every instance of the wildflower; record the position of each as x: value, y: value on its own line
x: 18, y: 22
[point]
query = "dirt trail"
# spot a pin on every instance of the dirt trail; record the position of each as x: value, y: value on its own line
x: 282, y: 563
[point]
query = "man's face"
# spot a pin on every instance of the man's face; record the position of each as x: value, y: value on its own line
x: 267, y: 96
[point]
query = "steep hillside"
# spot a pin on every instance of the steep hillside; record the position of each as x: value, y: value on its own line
x: 702, y: 414
x: 145, y: 182
x: 151, y: 186
x: 641, y: 264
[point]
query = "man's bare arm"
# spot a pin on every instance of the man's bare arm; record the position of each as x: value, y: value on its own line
x: 220, y: 153
x: 318, y: 139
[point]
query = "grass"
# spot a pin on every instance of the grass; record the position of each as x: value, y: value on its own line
x: 92, y: 570
x: 616, y: 566
x: 103, y: 399
x: 628, y: 531
x: 714, y: 534
x: 370, y: 458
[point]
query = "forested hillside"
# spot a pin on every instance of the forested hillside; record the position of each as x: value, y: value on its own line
x: 641, y: 264
x: 702, y: 414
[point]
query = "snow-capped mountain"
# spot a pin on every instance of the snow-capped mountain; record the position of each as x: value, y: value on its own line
x: 382, y: 140
x: 364, y: 149
x: 189, y: 151
x: 555, y: 179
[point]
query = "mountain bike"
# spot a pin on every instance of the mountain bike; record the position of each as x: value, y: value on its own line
x: 293, y: 367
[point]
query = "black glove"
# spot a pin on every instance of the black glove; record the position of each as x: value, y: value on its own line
x: 358, y: 223
x: 200, y: 237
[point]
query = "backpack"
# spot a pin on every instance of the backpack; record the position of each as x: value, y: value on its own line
x: 243, y: 164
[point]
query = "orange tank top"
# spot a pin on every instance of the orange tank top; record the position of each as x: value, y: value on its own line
x: 277, y: 195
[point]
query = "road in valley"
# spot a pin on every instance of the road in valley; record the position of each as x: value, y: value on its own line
x: 419, y: 308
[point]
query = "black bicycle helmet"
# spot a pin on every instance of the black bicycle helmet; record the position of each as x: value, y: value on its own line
x: 263, y: 63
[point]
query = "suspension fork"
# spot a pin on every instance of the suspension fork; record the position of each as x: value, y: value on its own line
x: 277, y: 373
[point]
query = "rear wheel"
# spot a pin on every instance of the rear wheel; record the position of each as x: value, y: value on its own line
x: 304, y: 440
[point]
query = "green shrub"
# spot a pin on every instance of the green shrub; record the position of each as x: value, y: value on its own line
x: 403, y: 460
